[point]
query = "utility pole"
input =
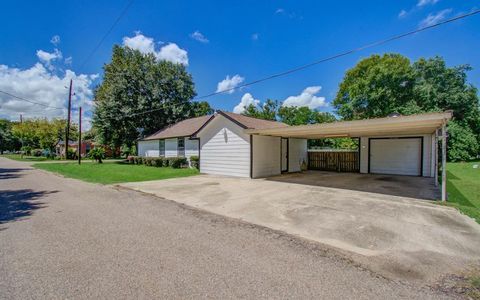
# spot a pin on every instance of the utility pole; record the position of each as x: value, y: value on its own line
x: 80, y: 136
x: 68, y: 120
x: 21, y: 139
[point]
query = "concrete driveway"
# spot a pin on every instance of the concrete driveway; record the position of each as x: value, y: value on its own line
x: 397, y: 236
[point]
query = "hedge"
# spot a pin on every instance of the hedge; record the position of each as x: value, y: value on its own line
x: 174, y: 162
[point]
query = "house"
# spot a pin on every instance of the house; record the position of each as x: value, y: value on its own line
x: 237, y: 145
x: 86, y: 146
x: 223, y: 146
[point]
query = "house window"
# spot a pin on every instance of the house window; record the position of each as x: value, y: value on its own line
x: 181, y: 147
x: 161, y: 147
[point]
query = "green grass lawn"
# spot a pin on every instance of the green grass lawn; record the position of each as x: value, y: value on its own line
x: 463, y: 188
x: 25, y: 157
x: 114, y: 172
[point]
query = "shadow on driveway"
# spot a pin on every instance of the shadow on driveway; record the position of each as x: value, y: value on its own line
x: 7, y: 173
x: 18, y: 204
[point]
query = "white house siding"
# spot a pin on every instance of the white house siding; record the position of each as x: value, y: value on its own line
x: 148, y: 148
x: 171, y: 147
x: 427, y: 153
x: 266, y: 156
x: 297, y: 153
x: 225, y: 149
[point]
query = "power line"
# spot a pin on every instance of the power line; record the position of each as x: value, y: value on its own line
x: 27, y: 100
x: 124, y: 11
x: 377, y: 43
x: 84, y: 62
x: 299, y: 68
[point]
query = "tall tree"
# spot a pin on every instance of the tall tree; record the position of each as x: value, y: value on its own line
x: 43, y: 133
x: 134, y: 83
x: 8, y: 141
x: 380, y: 85
x: 375, y: 87
x: 201, y: 108
x: 268, y: 111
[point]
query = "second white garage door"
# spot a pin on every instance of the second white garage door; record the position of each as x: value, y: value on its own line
x: 402, y: 156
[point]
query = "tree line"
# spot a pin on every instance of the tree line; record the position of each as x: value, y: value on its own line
x: 382, y: 85
x: 140, y: 95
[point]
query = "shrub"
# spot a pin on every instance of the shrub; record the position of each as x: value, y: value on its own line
x: 178, y: 162
x: 97, y: 154
x: 37, y: 152
x: 157, y: 162
x: 126, y: 151
x: 131, y: 159
x: 138, y: 160
x: 195, y: 161
x: 72, y: 153
x: 149, y: 161
x: 26, y: 150
x: 166, y: 162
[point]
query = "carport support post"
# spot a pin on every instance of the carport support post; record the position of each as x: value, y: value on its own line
x: 436, y: 158
x: 444, y: 162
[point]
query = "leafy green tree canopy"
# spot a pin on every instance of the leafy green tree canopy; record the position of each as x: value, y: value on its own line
x: 8, y: 141
x: 133, y: 83
x: 43, y: 133
x: 380, y: 85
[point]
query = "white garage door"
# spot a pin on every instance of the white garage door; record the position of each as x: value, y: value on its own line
x: 396, y: 156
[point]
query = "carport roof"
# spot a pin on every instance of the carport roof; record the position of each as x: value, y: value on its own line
x: 400, y: 125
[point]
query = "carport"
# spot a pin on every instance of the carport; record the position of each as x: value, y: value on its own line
x: 395, y: 145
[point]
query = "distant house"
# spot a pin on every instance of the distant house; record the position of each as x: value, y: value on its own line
x: 237, y: 145
x: 86, y: 146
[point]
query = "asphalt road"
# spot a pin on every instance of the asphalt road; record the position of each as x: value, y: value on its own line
x: 62, y: 238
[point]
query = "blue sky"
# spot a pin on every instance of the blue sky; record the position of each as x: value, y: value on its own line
x: 250, y: 39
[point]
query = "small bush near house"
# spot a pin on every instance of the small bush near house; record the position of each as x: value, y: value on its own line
x: 97, y: 154
x: 166, y: 162
x: 178, y: 162
x: 157, y: 162
x: 147, y: 161
x: 37, y: 152
x: 26, y: 150
x: 131, y: 159
x: 195, y: 161
x: 138, y: 160
x: 72, y: 153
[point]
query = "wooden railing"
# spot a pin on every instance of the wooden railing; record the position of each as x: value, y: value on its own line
x: 339, y: 161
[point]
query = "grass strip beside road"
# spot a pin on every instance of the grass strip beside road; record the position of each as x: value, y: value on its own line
x: 114, y: 172
x: 463, y: 187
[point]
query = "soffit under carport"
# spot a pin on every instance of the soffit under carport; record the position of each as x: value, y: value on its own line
x: 400, y: 125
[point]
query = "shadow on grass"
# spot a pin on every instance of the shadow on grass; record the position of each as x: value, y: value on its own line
x: 454, y: 194
x: 19, y: 204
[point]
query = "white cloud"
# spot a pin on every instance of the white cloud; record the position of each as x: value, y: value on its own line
x: 55, y: 40
x: 140, y: 42
x: 229, y: 83
x: 402, y: 14
x: 246, y: 100
x: 48, y: 57
x: 197, y: 35
x: 255, y: 36
x: 280, y: 11
x: 170, y: 52
x: 432, y: 19
x: 307, y: 98
x: 68, y: 60
x: 41, y: 85
x: 426, y: 2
